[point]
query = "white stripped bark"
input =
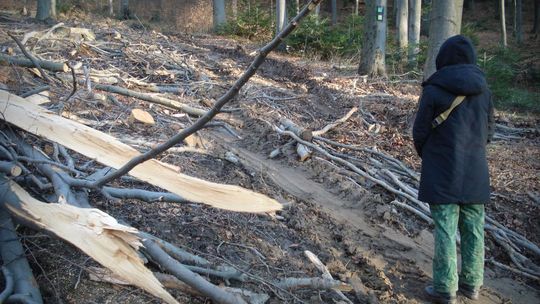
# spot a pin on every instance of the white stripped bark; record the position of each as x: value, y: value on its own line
x: 336, y: 123
x: 111, y: 152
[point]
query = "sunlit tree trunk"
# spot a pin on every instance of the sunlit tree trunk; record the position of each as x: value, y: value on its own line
x: 401, y: 24
x: 503, y: 23
x: 444, y: 23
x: 415, y: 15
x: 372, y: 61
x: 219, y: 13
x: 43, y: 9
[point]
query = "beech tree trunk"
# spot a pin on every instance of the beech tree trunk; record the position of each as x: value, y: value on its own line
x: 219, y: 13
x: 401, y: 23
x: 372, y: 61
x: 53, y: 9
x: 356, y: 7
x: 459, y: 14
x: 415, y: 15
x: 234, y: 9
x: 503, y: 23
x: 444, y: 23
x: 518, y: 11
x: 43, y: 9
x: 334, y: 12
x: 536, y: 27
x: 111, y: 9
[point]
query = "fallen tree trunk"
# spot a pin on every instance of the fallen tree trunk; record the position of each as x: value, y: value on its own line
x: 96, y: 233
x: 27, y: 63
x: 111, y: 152
x: 173, y: 104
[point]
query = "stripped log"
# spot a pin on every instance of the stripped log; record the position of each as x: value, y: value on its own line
x: 170, y: 103
x: 27, y: 63
x: 335, y: 123
x: 111, y: 152
x: 303, y: 152
x: 91, y: 230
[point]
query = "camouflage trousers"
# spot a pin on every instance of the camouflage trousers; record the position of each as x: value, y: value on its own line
x: 470, y: 221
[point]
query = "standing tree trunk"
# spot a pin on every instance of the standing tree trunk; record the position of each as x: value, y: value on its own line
x: 443, y: 25
x: 53, y: 9
x: 519, y: 21
x: 297, y: 6
x: 536, y: 27
x: 334, y: 12
x: 459, y: 14
x: 503, y: 23
x: 111, y: 9
x: 281, y: 15
x: 372, y: 61
x: 219, y: 14
x: 401, y: 23
x: 356, y: 7
x: 415, y: 19
x: 43, y: 9
x: 234, y: 5
x: 124, y: 9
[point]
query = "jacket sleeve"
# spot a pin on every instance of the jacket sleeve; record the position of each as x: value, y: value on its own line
x: 491, y: 120
x: 422, y: 123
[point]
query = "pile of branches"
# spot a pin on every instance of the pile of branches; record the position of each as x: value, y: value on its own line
x: 369, y: 166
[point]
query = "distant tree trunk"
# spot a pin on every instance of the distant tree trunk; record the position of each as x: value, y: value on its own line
x: 334, y: 12
x: 444, y: 23
x: 297, y: 6
x: 281, y: 15
x: 124, y: 9
x: 518, y: 9
x: 372, y: 61
x: 219, y: 14
x: 356, y: 6
x: 53, y: 9
x: 111, y: 9
x: 503, y: 23
x: 415, y: 16
x: 318, y: 10
x: 234, y: 4
x: 401, y: 24
x: 536, y: 27
x: 43, y: 9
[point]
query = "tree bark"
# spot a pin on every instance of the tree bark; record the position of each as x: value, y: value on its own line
x: 234, y: 9
x: 219, y: 14
x: 356, y: 7
x: 519, y: 21
x: 401, y: 23
x: 27, y: 63
x: 536, y: 27
x: 444, y: 23
x: 53, y: 9
x: 372, y: 61
x: 459, y: 14
x: 43, y: 9
x: 503, y: 24
x: 415, y: 15
x: 281, y: 15
x: 111, y: 9
x: 334, y: 12
x: 124, y: 9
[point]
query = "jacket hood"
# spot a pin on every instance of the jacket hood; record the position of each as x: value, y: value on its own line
x: 457, y: 71
x: 459, y: 79
x: 456, y: 50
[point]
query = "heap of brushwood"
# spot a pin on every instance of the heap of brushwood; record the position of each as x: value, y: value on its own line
x: 43, y: 186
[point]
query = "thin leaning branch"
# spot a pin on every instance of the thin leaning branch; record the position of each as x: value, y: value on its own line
x: 29, y: 56
x: 227, y: 97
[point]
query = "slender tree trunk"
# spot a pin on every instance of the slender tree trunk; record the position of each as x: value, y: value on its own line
x: 43, y: 9
x: 401, y: 23
x: 356, y: 7
x: 53, y: 9
x: 519, y: 21
x: 415, y: 15
x: 503, y: 23
x: 444, y: 23
x: 281, y: 19
x: 219, y: 14
x: 536, y: 27
x: 234, y: 4
x: 111, y: 9
x: 372, y: 61
x: 334, y: 12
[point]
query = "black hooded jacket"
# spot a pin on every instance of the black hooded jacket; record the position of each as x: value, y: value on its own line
x: 454, y: 164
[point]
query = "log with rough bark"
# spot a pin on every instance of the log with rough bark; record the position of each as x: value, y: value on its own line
x: 27, y: 63
x: 111, y: 152
x: 96, y: 233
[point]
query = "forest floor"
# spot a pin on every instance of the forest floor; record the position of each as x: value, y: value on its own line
x: 349, y: 224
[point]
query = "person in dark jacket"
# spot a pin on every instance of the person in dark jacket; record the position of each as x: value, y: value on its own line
x: 455, y: 176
